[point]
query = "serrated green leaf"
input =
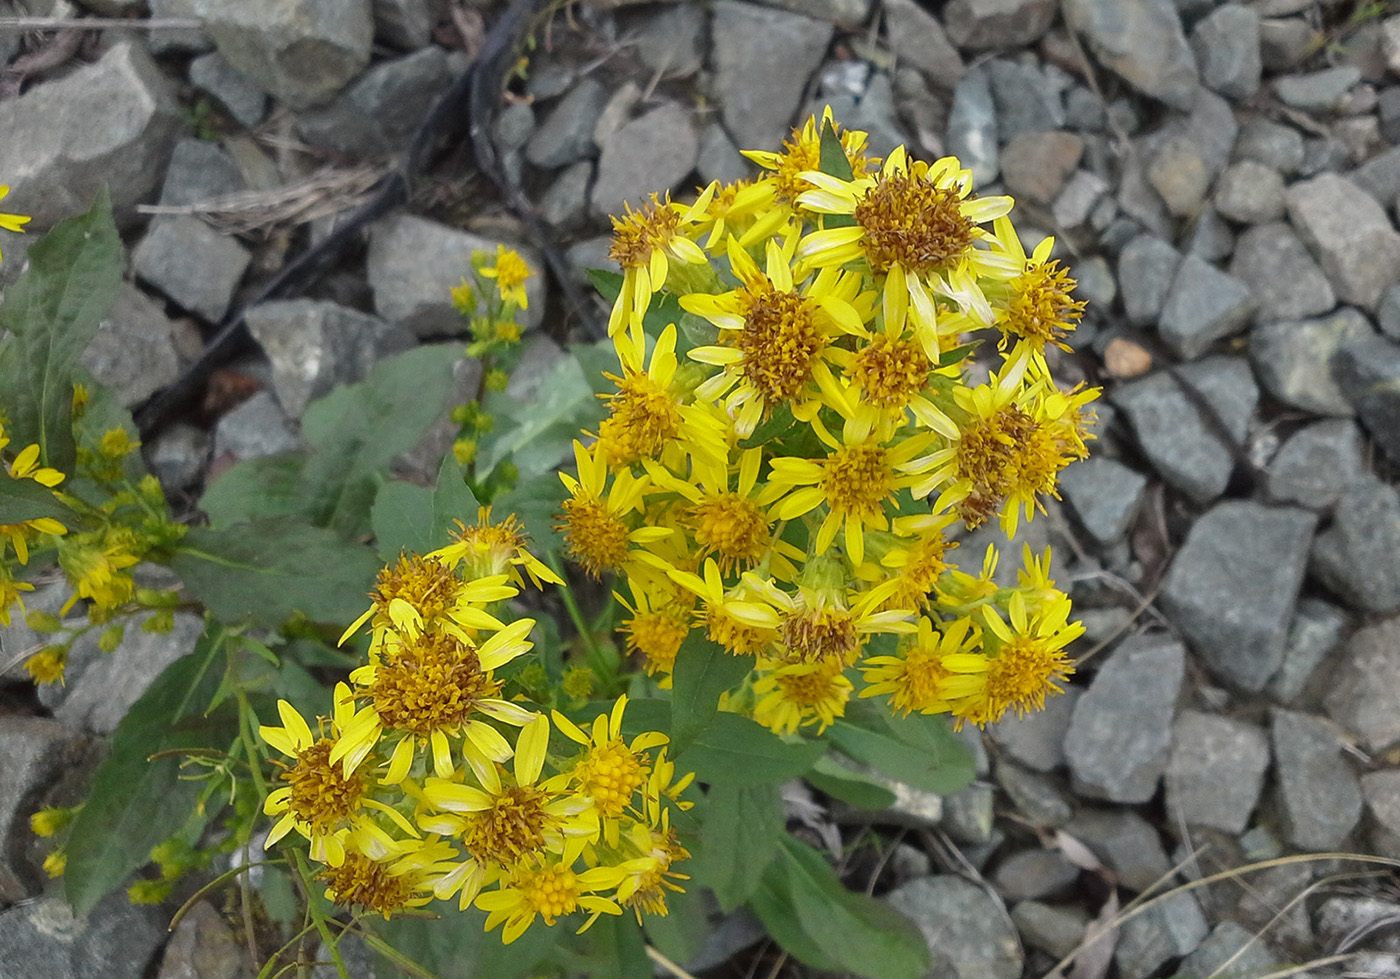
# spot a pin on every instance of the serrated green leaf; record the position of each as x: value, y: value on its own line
x: 134, y: 803
x: 917, y: 750
x: 255, y: 489
x: 809, y: 912
x: 735, y: 751
x: 358, y: 429
x: 24, y: 499
x: 52, y: 311
x: 704, y: 669
x: 738, y: 838
x: 265, y: 571
x: 536, y: 436
x: 850, y: 786
x: 418, y: 520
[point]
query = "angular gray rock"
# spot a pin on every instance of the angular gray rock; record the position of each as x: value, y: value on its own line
x: 1146, y: 267
x: 762, y: 59
x: 1142, y: 42
x: 192, y: 264
x: 719, y: 159
x: 1166, y: 930
x: 650, y: 154
x: 199, y: 171
x: 1078, y: 198
x: 1036, y: 164
x: 966, y: 928
x: 406, y: 24
x: 972, y: 127
x: 132, y: 352
x: 1364, y: 696
x: 204, y: 947
x: 256, y: 428
x: 1232, y: 587
x: 1283, y: 278
x: 100, y: 687
x: 1250, y: 192
x: 1380, y: 176
x: 671, y: 40
x: 1317, y: 91
x: 1034, y: 873
x: 1293, y: 359
x: 1125, y: 842
x: 34, y: 752
x: 377, y: 113
x: 414, y: 263
x: 1169, y: 426
x: 1349, y: 234
x: 1203, y: 305
x: 1105, y: 494
x: 1226, y: 45
x: 1120, y: 734
x: 1216, y: 771
x: 177, y: 456
x: 1037, y: 740
x: 1035, y: 796
x: 1316, y: 464
x: 1381, y: 790
x: 1027, y: 97
x: 112, y: 123
x: 1388, y: 314
x: 1247, y: 954
x: 917, y: 37
x: 1356, y: 555
x: 229, y: 87
x: 1367, y: 369
x: 976, y: 25
x: 566, y: 132
x: 1318, y: 791
x: 116, y: 940
x: 1271, y: 143
x: 1058, y: 930
x: 1177, y: 172
x: 1317, y: 628
x: 301, y: 53
x: 315, y: 345
x: 967, y: 814
x: 564, y: 204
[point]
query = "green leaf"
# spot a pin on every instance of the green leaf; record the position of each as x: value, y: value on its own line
x: 358, y: 429
x: 613, y: 947
x: 411, y: 518
x: 850, y: 786
x: 834, y: 161
x: 608, y: 284
x: 456, y: 945
x: 774, y: 426
x: 918, y: 750
x: 958, y: 354
x: 254, y: 489
x: 809, y: 912
x: 24, y: 499
x: 537, y: 502
x: 265, y: 571
x: 703, y: 670
x: 738, y: 752
x: 680, y: 933
x: 537, y: 435
x: 739, y: 834
x: 134, y: 803
x: 53, y: 310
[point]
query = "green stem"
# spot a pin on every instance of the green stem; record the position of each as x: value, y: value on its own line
x: 590, y: 641
x: 318, y: 919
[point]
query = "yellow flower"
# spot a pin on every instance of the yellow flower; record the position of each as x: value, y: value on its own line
x: 824, y: 622
x: 924, y: 673
x: 776, y: 336
x: 51, y: 819
x: 551, y: 891
x: 743, y: 209
x: 47, y: 665
x: 12, y: 222
x: 659, y: 624
x: 1036, y: 306
x: 595, y: 516
x: 26, y: 466
x: 510, y: 273
x: 649, y: 873
x: 423, y: 592
x: 732, y: 618
x: 428, y: 689
x: 508, y: 822
x: 611, y: 770
x: 95, y: 564
x: 1015, y: 437
x: 793, y: 695
x: 856, y: 482
x: 644, y: 244
x: 1025, y: 662
x: 915, y: 223
x: 394, y: 881
x: 914, y: 560
x: 10, y: 590
x: 646, y: 419
x: 803, y: 151
x: 486, y: 549
x: 55, y: 863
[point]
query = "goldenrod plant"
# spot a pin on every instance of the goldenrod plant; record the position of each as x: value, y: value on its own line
x: 572, y: 698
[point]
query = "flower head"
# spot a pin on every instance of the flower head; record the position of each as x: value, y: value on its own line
x: 510, y: 273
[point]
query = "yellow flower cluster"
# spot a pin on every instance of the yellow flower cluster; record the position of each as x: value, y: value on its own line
x: 425, y: 782
x: 18, y: 536
x: 11, y: 222
x: 794, y: 481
